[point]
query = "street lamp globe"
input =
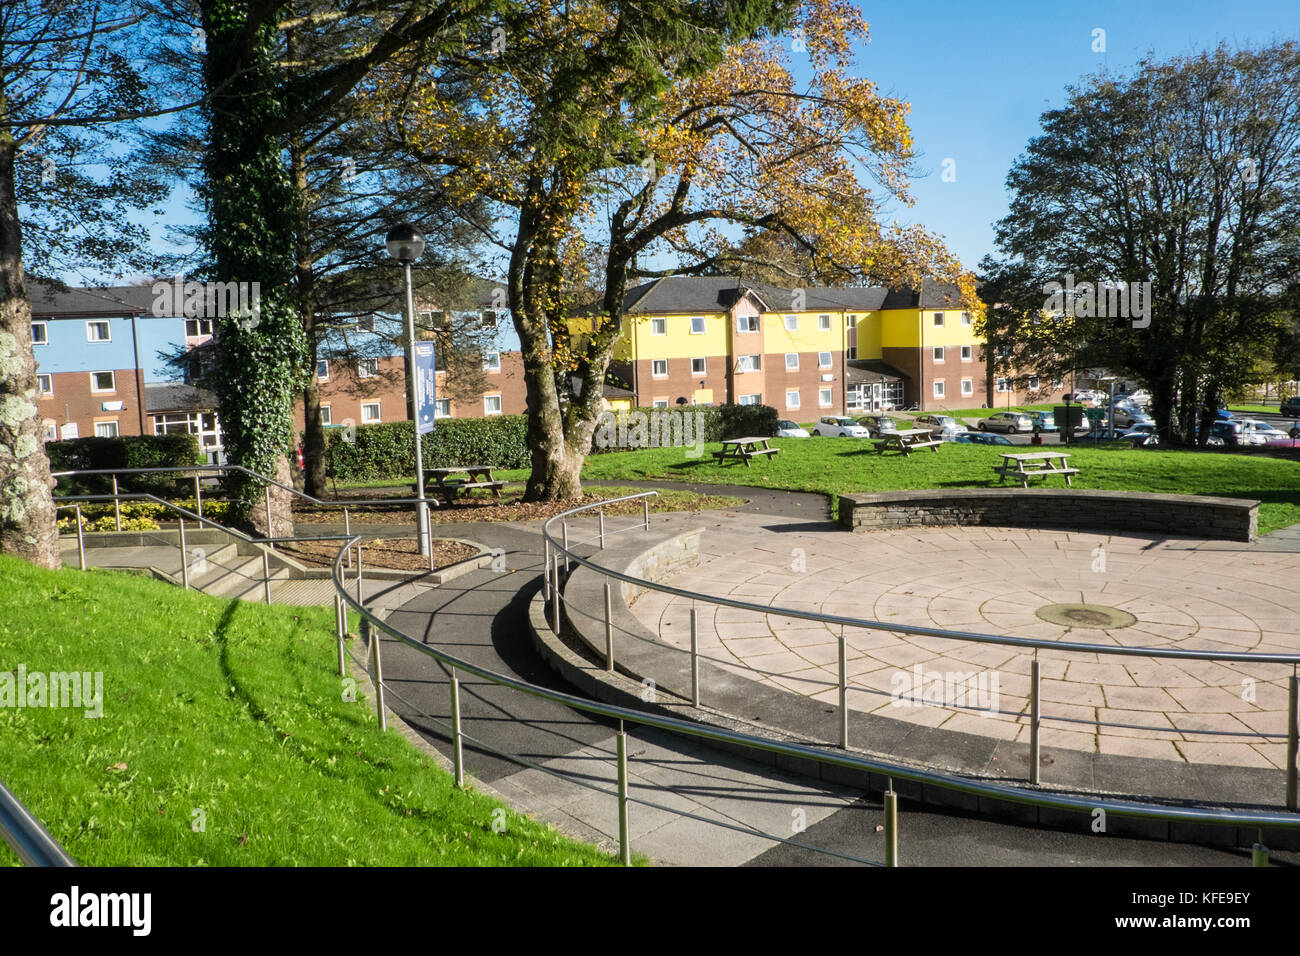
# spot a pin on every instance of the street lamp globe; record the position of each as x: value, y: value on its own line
x: 405, y: 242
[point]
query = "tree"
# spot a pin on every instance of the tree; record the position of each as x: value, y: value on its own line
x: 654, y: 131
x: 1180, y: 183
x: 67, y: 185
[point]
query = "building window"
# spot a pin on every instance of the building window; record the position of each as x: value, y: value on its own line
x: 103, y: 382
x: 755, y: 399
x: 367, y: 367
x: 824, y: 323
x: 45, y: 383
x: 659, y: 368
x: 748, y: 363
x: 938, y: 353
x: 938, y: 319
x: 792, y: 361
x: 370, y: 413
x: 491, y: 404
x: 659, y: 403
x: 326, y: 416
x: 823, y: 359
x: 195, y: 327
x: 1033, y: 383
x: 852, y: 322
x: 658, y: 326
x: 40, y: 334
x: 852, y: 352
x: 966, y: 353
x: 697, y: 325
x: 442, y: 408
x: 965, y: 318
x: 97, y: 332
x: 938, y: 388
x: 49, y: 430
x: 792, y: 323
x: 746, y: 323
x: 792, y: 399
x: 697, y: 366
x: 967, y: 386
x: 489, y: 319
x: 1002, y: 385
x: 106, y: 429
x: 492, y: 361
x: 323, y: 370
x: 1058, y: 383
x: 824, y: 398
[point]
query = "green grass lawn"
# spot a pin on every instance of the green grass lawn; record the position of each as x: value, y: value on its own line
x: 1255, y: 409
x: 833, y: 466
x: 235, y: 710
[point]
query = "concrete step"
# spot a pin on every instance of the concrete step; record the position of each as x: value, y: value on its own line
x: 241, y: 577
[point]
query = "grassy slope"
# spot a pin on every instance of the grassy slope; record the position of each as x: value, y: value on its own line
x: 234, y: 708
x: 831, y: 466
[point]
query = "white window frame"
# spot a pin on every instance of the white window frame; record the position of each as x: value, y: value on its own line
x: 968, y: 386
x: 825, y: 397
x: 661, y: 324
x: 655, y: 365
x: 490, y: 318
x: 49, y: 430
x: 754, y: 398
x: 824, y: 359
x: 1002, y: 384
x: 100, y: 391
x: 41, y: 379
x: 1057, y: 384
x: 659, y: 403
x: 968, y: 353
x: 198, y: 325
x: 108, y: 330
x: 438, y: 405
x: 326, y: 415
x: 937, y: 353
x: 367, y: 363
x: 823, y: 323
x: 326, y: 376
x: 704, y: 326
x: 792, y: 323
x: 489, y: 410
x: 792, y: 393
x: 491, y: 361
x: 108, y: 426
x: 378, y: 414
x: 851, y: 322
x: 939, y: 388
x: 704, y: 364
x: 965, y: 318
x: 938, y: 320
x: 747, y: 323
x: 749, y: 363
x: 851, y: 352
x: 45, y: 333
x: 1033, y: 383
x: 788, y: 357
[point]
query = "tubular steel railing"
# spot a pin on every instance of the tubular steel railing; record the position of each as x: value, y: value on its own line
x: 25, y: 835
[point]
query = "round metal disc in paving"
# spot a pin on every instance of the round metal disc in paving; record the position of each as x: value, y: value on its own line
x: 1086, y: 615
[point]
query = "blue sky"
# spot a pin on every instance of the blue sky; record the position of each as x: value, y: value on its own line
x: 978, y: 76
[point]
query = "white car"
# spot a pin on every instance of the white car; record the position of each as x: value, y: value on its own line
x: 835, y: 426
x: 1140, y: 398
x: 788, y: 429
x: 1256, y: 432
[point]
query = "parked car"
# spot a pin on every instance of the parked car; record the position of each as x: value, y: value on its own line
x: 1044, y: 421
x: 942, y: 427
x: 980, y: 438
x: 1294, y: 432
x: 1291, y: 407
x: 1261, y: 430
x: 1007, y: 422
x: 1126, y: 416
x: 788, y: 429
x: 1143, y: 433
x: 1105, y: 434
x: 876, y: 425
x: 1231, y: 433
x: 835, y: 426
x: 1141, y: 398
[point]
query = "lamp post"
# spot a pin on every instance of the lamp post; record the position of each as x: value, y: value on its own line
x: 405, y: 243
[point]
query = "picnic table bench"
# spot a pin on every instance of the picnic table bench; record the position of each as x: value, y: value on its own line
x: 1039, y: 464
x: 744, y: 449
x: 440, y: 481
x: 906, y: 439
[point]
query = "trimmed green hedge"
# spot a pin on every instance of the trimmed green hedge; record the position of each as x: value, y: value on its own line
x: 127, y: 451
x: 387, y: 450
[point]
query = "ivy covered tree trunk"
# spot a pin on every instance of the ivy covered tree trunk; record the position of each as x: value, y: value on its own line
x: 251, y: 239
x: 28, y: 523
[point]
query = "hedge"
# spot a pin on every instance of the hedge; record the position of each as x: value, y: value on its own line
x: 127, y: 451
x: 387, y: 450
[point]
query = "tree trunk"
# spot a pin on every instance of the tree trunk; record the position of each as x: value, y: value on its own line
x: 281, y: 506
x: 28, y: 522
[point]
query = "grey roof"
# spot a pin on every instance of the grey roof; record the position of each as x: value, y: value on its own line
x: 934, y: 295
x: 870, y: 371
x: 178, y: 397
x: 678, y: 294
x: 107, y: 300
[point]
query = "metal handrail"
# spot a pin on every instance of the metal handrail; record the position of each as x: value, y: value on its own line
x: 26, y: 836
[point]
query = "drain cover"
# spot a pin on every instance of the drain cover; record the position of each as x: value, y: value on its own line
x: 1086, y: 615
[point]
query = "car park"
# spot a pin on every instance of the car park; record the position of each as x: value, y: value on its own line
x: 877, y: 425
x: 981, y: 438
x: 1261, y: 432
x: 942, y: 427
x: 1143, y: 433
x: 1233, y: 434
x: 788, y: 429
x: 1126, y: 416
x: 1291, y: 407
x: 835, y: 426
x: 1044, y: 421
x: 1007, y: 422
x: 1141, y: 398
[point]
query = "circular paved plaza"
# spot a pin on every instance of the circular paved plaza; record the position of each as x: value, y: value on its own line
x: 1133, y: 590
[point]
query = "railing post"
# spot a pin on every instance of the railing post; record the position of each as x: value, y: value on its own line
x: 117, y: 505
x: 609, y: 630
x: 891, y: 828
x: 645, y: 510
x: 1258, y: 855
x: 1292, y: 733
x: 428, y: 531
x: 546, y: 570
x: 695, y: 658
x: 624, y: 843
x: 844, y: 691
x: 360, y: 600
x: 341, y: 628
x: 185, y: 559
x: 565, y: 526
x: 198, y: 497
x: 343, y: 610
x: 270, y: 528
x: 347, y: 529
x: 1035, y: 721
x: 602, y: 528
x: 377, y: 675
x: 81, y: 541
x: 266, y: 576
x: 555, y: 597
x: 458, y: 756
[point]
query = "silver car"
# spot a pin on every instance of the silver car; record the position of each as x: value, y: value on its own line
x: 1009, y: 422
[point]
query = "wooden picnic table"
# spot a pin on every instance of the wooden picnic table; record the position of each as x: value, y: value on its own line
x: 744, y: 449
x: 906, y: 439
x: 1039, y: 464
x: 441, y: 481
